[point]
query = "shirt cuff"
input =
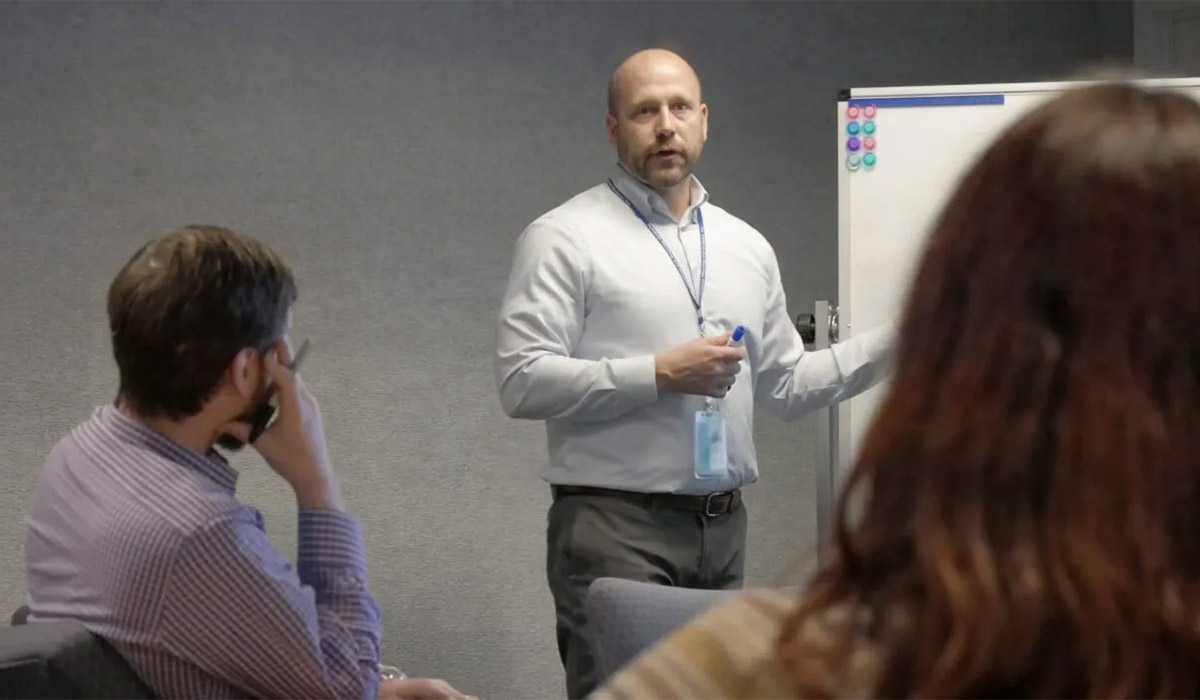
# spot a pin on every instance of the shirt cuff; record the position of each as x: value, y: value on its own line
x: 634, y: 376
x: 330, y: 541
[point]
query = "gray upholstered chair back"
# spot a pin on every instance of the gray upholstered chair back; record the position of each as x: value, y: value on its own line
x: 627, y: 617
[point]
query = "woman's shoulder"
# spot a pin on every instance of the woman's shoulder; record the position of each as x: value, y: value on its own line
x: 757, y: 613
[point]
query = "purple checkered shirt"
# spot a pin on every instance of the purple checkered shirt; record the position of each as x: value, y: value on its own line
x: 144, y: 542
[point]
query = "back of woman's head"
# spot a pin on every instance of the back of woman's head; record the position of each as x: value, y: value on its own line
x: 1027, y: 501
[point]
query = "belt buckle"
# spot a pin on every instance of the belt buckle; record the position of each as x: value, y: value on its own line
x: 708, y: 505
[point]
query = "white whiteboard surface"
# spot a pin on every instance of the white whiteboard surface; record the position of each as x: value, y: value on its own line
x: 884, y: 212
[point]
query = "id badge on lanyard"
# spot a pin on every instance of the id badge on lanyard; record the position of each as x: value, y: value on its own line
x: 710, y: 458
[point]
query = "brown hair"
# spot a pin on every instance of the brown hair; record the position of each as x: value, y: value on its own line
x: 184, y: 306
x: 1026, y: 504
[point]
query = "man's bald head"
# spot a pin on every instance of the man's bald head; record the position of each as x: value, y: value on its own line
x: 640, y: 65
x: 656, y: 119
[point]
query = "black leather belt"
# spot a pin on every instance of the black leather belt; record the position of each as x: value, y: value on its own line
x: 713, y: 505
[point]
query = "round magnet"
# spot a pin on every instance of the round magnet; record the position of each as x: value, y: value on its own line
x: 869, y: 111
x: 869, y: 160
x: 852, y: 162
x: 852, y: 144
x: 852, y: 128
x: 869, y: 143
x: 868, y: 128
x: 852, y: 112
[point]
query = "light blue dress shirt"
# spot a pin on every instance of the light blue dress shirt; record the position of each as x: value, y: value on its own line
x: 592, y: 297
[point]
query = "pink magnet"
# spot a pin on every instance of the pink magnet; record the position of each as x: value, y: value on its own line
x: 869, y: 111
x: 869, y: 143
x: 852, y: 112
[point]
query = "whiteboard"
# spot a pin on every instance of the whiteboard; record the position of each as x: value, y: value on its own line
x: 923, y: 140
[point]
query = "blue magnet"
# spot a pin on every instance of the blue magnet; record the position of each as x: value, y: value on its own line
x: 852, y: 128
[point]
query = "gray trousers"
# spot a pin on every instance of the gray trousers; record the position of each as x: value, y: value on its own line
x: 593, y: 536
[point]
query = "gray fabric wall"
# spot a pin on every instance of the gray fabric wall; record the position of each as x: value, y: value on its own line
x: 392, y: 152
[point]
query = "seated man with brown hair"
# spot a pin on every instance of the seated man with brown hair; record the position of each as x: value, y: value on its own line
x: 136, y: 530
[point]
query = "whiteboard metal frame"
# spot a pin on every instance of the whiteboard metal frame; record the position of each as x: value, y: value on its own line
x: 1003, y: 88
x: 838, y: 415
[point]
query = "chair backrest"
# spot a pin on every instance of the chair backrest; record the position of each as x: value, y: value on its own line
x: 62, y: 659
x: 627, y: 617
x: 20, y: 615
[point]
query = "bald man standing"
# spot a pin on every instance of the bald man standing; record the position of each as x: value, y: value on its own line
x: 616, y: 329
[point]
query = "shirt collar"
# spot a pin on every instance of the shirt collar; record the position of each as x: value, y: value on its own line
x: 211, y: 465
x: 650, y: 202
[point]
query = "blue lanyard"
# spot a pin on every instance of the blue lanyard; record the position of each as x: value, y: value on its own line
x: 698, y: 296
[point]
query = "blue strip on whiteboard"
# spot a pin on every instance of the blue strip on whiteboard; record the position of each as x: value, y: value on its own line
x: 930, y: 101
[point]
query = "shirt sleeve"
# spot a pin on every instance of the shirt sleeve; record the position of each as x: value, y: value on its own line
x: 792, y: 381
x: 541, y: 320
x: 234, y: 607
